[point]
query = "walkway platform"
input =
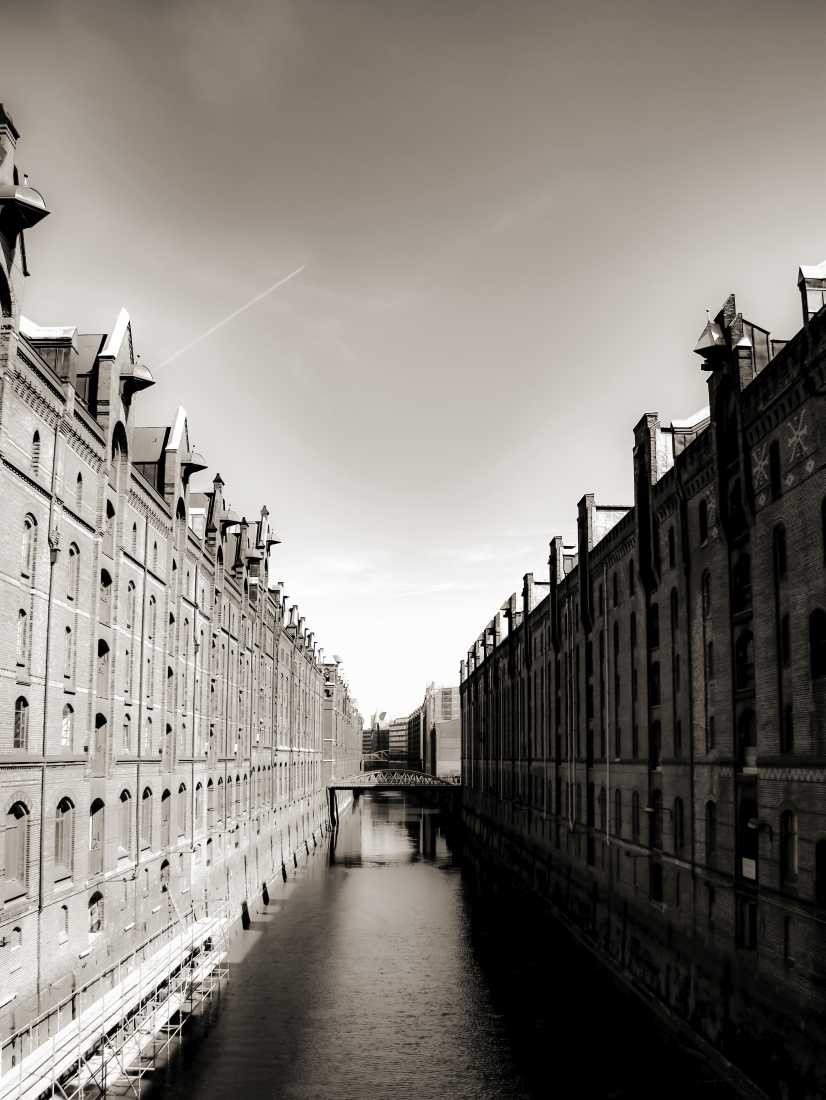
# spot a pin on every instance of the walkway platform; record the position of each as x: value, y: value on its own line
x: 141, y: 1002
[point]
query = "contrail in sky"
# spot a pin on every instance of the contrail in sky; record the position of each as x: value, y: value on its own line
x: 233, y: 315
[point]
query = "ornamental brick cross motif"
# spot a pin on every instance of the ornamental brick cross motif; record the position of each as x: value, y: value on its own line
x: 797, y: 436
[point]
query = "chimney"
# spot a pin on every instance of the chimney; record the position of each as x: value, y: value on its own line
x: 811, y: 282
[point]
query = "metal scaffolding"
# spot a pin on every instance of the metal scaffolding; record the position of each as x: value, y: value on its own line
x: 136, y: 1010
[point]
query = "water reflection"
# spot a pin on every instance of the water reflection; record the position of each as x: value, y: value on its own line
x: 385, y: 971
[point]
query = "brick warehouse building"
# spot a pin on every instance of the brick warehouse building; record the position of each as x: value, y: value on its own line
x: 162, y: 705
x: 644, y: 732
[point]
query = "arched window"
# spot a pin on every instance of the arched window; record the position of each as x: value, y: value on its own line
x: 21, y: 724
x: 28, y: 546
x: 100, y: 737
x: 36, y: 454
x: 152, y: 618
x: 105, y: 592
x: 787, y: 729
x: 711, y: 834
x: 618, y: 812
x: 209, y: 852
x: 103, y: 666
x: 788, y: 847
x: 775, y: 481
x: 166, y: 818
x: 736, y: 509
x: 109, y: 528
x: 655, y: 745
x: 134, y: 538
x: 230, y: 810
x: 678, y: 815
x: 16, y: 848
x: 741, y: 583
x: 654, y: 685
x: 199, y: 804
x: 817, y: 643
x: 602, y: 809
x: 147, y: 748
x: 127, y: 732
x: 96, y: 836
x: 654, y: 625
x: 73, y: 573
x: 705, y: 589
x: 146, y: 819
x: 744, y: 660
x: 67, y: 727
x: 165, y: 873
x: 79, y: 492
x: 95, y: 913
x: 64, y: 831
x: 130, y: 605
x: 22, y: 638
x: 656, y: 819
x: 125, y: 823
x: 68, y: 654
x: 635, y: 816
x: 182, y: 807
x: 155, y: 556
x: 702, y: 514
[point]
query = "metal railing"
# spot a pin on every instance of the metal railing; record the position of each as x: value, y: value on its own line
x: 60, y: 1039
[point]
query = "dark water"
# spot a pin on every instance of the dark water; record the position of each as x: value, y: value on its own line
x: 386, y: 971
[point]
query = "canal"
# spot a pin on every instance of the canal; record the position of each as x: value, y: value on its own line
x: 384, y: 970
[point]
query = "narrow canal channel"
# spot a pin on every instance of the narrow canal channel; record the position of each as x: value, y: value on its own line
x: 384, y: 970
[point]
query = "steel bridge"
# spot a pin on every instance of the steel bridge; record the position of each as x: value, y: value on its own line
x: 391, y: 779
x: 388, y: 779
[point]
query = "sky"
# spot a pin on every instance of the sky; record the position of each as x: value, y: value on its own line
x: 511, y: 218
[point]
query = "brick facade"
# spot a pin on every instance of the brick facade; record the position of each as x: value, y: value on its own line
x: 646, y: 729
x: 161, y: 708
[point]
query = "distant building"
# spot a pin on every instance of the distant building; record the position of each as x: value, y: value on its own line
x: 441, y: 732
x: 341, y: 728
x: 377, y: 738
x: 397, y: 741
x: 414, y: 739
